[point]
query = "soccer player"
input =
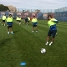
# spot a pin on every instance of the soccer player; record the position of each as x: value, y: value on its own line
x: 4, y: 19
x: 34, y: 21
x: 18, y: 19
x: 9, y: 21
x: 26, y: 20
x: 52, y: 29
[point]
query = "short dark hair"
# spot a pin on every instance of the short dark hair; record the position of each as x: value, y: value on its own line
x: 49, y: 16
x: 10, y: 14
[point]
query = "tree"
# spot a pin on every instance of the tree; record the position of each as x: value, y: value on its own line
x: 3, y: 8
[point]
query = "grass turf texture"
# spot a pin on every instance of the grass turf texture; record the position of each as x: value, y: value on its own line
x: 25, y: 46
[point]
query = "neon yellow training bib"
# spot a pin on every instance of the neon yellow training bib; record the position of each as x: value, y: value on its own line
x: 9, y: 19
x: 34, y: 20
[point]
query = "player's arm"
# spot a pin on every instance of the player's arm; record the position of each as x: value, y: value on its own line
x: 54, y: 20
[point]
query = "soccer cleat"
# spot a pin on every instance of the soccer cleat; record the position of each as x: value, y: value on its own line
x: 46, y: 43
x: 50, y: 43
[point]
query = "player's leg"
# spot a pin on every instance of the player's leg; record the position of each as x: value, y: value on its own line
x: 36, y: 28
x: 19, y: 22
x: 48, y: 37
x: 11, y: 28
x: 53, y: 37
x: 8, y: 27
x: 3, y: 22
x: 33, y: 27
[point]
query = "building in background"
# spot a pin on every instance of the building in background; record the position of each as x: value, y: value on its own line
x: 12, y: 8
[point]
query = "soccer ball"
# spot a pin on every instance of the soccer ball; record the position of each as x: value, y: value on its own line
x: 43, y: 50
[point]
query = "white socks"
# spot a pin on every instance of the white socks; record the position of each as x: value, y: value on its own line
x: 4, y: 24
x: 46, y: 43
x: 11, y: 32
x: 36, y: 31
x: 8, y: 32
x: 49, y: 43
x: 33, y: 31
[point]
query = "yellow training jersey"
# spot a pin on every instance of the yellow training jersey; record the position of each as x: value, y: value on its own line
x: 34, y: 20
x: 4, y: 18
x: 9, y: 19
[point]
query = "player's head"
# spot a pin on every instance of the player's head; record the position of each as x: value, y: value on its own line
x: 49, y: 17
x: 10, y: 15
x: 33, y: 16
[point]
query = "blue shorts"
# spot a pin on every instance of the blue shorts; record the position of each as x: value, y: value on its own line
x: 10, y: 24
x: 52, y: 32
x: 35, y: 24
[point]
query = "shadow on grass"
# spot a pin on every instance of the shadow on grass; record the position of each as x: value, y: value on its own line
x: 5, y: 41
x: 16, y: 31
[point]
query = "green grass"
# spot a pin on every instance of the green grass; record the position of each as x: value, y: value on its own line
x: 24, y: 45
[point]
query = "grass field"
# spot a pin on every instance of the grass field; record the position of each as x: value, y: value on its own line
x: 25, y: 46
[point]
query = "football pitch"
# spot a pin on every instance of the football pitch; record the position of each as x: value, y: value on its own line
x: 25, y: 46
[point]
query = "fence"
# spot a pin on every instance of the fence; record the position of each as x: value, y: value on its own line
x: 61, y: 16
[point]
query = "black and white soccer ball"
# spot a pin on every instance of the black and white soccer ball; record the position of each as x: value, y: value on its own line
x: 43, y: 50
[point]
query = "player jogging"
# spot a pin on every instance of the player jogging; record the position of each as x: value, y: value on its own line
x: 52, y: 29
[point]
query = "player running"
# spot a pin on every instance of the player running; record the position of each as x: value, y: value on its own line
x: 52, y: 29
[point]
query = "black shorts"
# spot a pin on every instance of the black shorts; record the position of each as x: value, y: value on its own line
x: 3, y: 20
x: 19, y: 20
x: 52, y: 33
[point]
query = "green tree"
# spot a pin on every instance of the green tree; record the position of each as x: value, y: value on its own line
x: 3, y: 8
